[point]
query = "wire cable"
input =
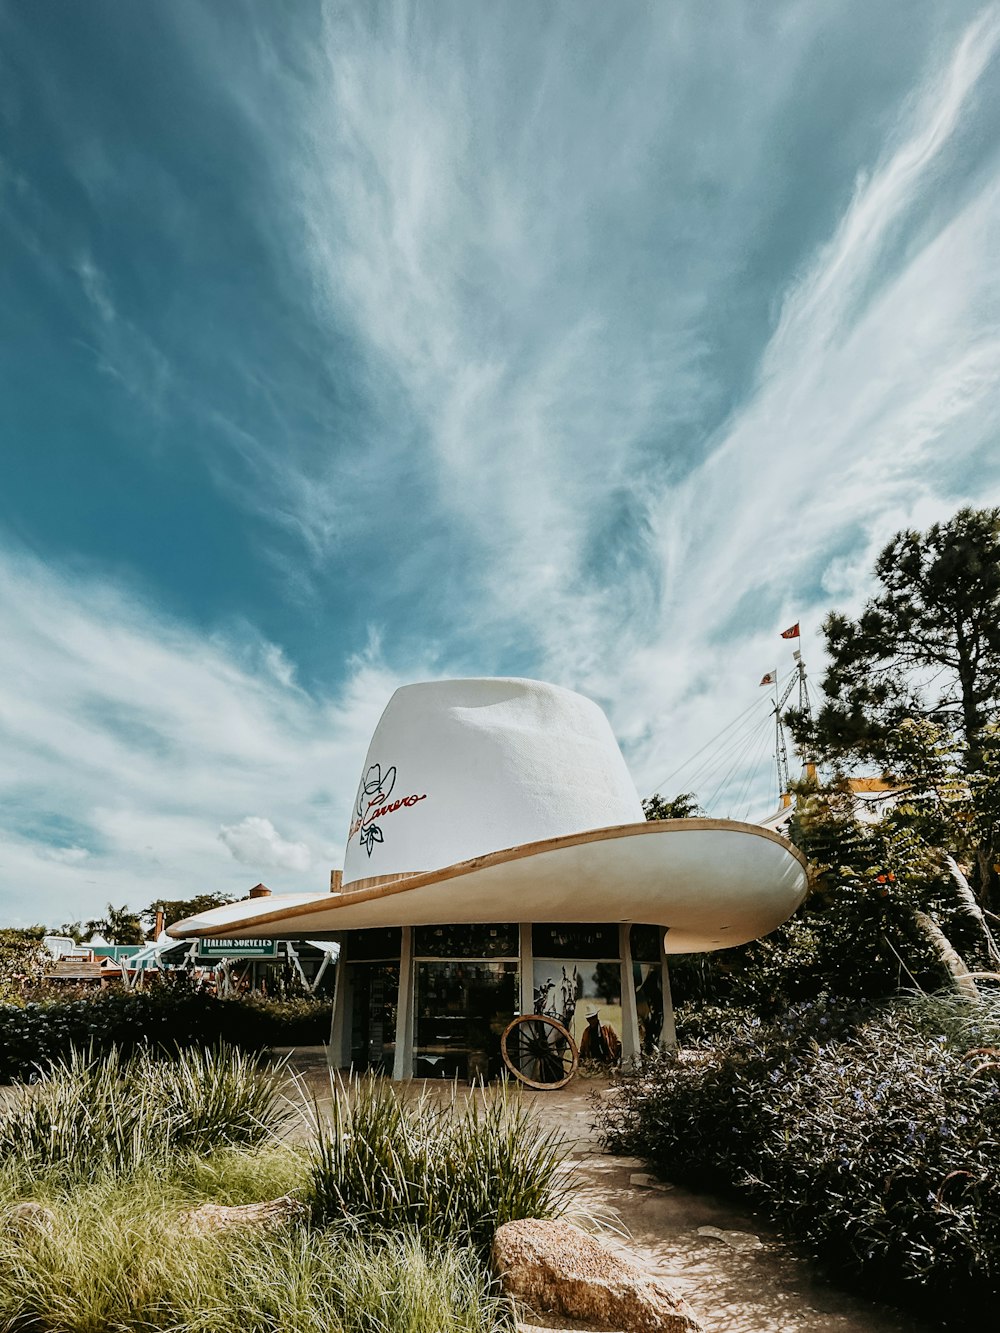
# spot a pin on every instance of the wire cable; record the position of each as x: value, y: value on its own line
x: 763, y: 750
x: 710, y: 741
x: 740, y: 758
x: 717, y: 759
x: 716, y: 762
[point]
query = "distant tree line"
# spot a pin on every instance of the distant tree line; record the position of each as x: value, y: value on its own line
x: 23, y: 956
x: 120, y: 925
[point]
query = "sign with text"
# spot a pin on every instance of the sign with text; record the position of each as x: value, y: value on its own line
x: 215, y: 949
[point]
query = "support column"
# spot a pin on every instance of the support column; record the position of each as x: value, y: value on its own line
x: 668, y: 1033
x: 335, y: 1050
x: 630, y: 1015
x: 292, y: 953
x: 320, y: 972
x: 527, y: 962
x: 402, y: 1065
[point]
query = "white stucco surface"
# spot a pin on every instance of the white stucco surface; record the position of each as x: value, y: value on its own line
x: 460, y: 768
x: 711, y: 884
x: 509, y: 800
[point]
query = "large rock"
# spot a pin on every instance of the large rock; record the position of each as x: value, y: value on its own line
x: 211, y: 1217
x: 30, y: 1216
x: 555, y: 1267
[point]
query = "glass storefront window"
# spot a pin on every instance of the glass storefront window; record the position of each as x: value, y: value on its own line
x: 499, y: 941
x: 380, y: 943
x: 462, y: 1008
x: 466, y: 989
x: 571, y: 941
x: 649, y: 1004
x: 584, y: 994
x: 644, y: 941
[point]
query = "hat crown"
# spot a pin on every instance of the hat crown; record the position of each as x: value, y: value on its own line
x: 462, y: 768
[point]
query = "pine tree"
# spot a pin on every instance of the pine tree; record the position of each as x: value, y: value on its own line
x: 924, y: 653
x: 927, y: 645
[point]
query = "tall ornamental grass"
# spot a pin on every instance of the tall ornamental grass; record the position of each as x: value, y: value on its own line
x: 102, y: 1161
x: 455, y: 1170
x: 90, y: 1114
x: 114, y: 1256
x: 875, y: 1139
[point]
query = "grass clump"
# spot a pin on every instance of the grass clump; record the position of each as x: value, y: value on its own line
x: 114, y: 1257
x: 111, y: 1153
x: 91, y: 1115
x: 331, y: 1280
x: 230, y: 1175
x: 875, y: 1139
x: 455, y: 1170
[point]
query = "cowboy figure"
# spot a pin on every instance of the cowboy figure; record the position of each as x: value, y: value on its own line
x: 599, y: 1041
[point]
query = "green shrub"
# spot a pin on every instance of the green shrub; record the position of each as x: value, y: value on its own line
x: 97, y: 1114
x: 259, y: 1020
x: 455, y: 1170
x: 873, y: 1139
x: 34, y: 1034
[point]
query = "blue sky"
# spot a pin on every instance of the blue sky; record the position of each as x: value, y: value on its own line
x: 351, y: 344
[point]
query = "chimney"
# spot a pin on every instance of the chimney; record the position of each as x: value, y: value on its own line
x: 336, y: 881
x: 260, y: 891
x: 159, y: 923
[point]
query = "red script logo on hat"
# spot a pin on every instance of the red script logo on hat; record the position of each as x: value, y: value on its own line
x: 373, y: 804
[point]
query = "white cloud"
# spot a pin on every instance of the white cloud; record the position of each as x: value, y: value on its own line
x: 254, y: 841
x: 480, y: 214
x: 485, y: 257
x: 121, y: 349
x: 877, y: 391
x: 148, y: 738
x: 95, y: 289
x: 67, y: 856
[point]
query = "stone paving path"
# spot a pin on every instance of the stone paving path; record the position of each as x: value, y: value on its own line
x: 736, y: 1274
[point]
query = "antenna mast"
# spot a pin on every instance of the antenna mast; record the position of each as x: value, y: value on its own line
x: 805, y: 703
x: 780, y: 746
x: 781, y: 752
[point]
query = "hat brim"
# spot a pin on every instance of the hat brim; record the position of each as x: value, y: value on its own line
x: 710, y: 883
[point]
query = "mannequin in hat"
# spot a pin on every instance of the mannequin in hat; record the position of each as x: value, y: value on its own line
x: 600, y: 1041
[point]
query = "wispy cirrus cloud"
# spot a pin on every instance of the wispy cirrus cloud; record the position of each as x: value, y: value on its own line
x: 589, y: 343
x: 876, y: 392
x: 500, y: 246
x: 649, y: 382
x: 122, y: 350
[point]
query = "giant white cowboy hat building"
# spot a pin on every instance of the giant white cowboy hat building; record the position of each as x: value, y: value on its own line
x: 498, y: 850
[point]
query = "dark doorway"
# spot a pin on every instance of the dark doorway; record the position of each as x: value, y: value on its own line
x: 463, y: 1006
x: 374, y: 992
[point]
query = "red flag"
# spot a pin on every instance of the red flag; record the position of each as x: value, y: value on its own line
x: 792, y: 632
x: 769, y: 679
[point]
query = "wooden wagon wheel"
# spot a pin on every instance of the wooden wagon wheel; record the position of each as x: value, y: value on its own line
x: 539, y: 1051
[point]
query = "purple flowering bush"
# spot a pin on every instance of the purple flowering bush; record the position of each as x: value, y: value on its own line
x: 873, y: 1139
